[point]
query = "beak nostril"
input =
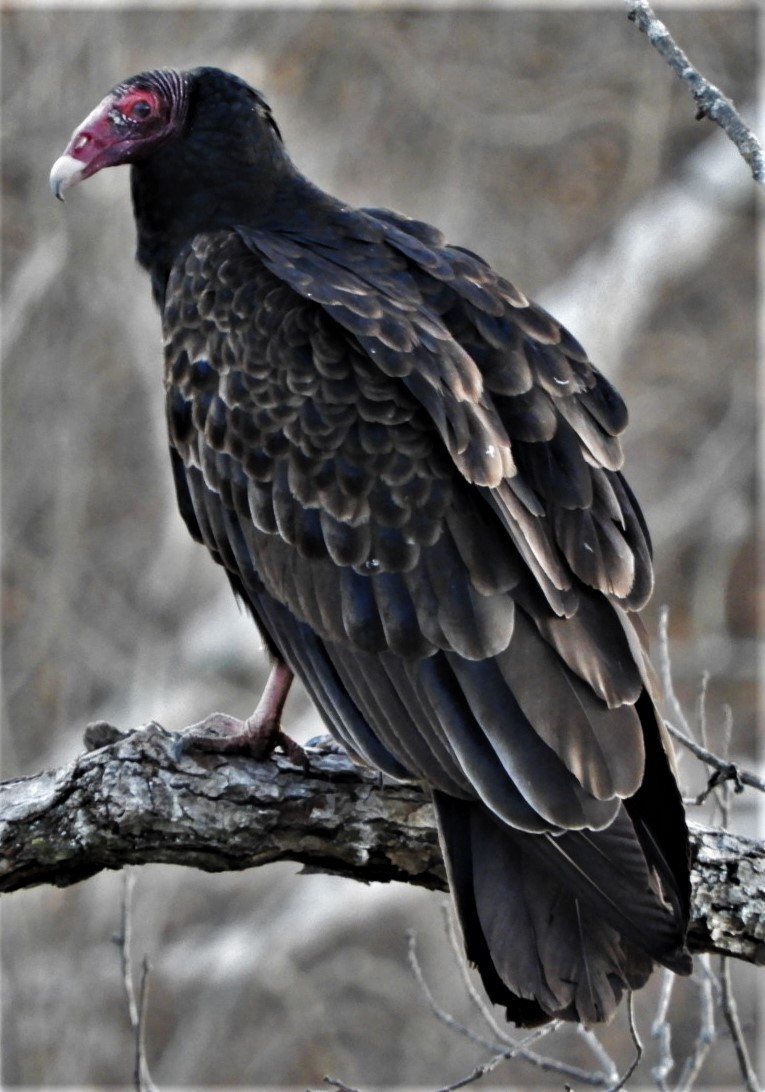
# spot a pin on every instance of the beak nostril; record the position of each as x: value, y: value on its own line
x: 82, y: 140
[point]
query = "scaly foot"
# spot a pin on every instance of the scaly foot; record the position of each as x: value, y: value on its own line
x: 257, y: 736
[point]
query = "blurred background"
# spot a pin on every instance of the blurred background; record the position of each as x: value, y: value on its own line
x: 558, y: 145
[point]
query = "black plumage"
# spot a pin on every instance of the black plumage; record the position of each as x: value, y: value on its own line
x: 412, y: 476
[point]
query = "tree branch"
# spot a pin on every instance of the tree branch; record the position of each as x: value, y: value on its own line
x: 710, y: 101
x: 133, y: 800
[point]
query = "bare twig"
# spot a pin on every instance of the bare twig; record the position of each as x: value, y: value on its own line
x: 334, y: 1082
x: 124, y: 940
x: 710, y: 101
x: 441, y: 1014
x: 143, y: 1080
x: 479, y: 1071
x: 136, y: 1006
x: 720, y: 781
x: 716, y: 784
x: 610, y: 1072
x: 705, y: 1037
x: 720, y: 784
x: 478, y: 1000
x: 730, y: 1015
x: 664, y: 658
x: 637, y: 1042
x: 723, y: 796
x: 517, y: 1049
x: 661, y: 1030
x: 701, y: 706
x: 728, y: 1002
x: 725, y: 770
x: 594, y: 1044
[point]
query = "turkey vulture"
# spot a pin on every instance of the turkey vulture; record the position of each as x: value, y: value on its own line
x: 412, y: 477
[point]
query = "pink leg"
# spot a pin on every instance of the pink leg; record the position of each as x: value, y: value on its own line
x: 259, y: 734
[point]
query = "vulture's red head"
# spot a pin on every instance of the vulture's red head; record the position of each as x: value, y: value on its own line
x: 133, y: 119
x: 150, y: 111
x: 205, y: 154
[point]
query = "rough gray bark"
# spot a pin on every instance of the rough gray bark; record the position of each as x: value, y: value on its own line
x: 134, y: 800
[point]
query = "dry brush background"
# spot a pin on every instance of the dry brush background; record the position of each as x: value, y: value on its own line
x: 556, y: 144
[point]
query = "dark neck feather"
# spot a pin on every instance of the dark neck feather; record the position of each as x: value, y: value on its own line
x: 227, y: 167
x: 177, y: 194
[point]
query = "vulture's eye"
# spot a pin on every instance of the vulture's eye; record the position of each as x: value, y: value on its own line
x: 137, y: 104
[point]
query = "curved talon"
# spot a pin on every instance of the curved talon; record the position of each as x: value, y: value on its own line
x: 293, y: 751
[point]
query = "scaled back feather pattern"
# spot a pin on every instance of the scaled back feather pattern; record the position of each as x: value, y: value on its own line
x: 412, y: 476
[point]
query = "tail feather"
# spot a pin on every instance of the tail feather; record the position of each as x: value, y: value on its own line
x: 549, y: 940
x: 609, y: 872
x: 657, y: 812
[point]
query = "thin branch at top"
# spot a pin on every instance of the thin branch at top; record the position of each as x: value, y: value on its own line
x: 710, y: 101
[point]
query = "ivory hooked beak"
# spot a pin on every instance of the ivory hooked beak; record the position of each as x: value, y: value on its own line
x: 66, y: 172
